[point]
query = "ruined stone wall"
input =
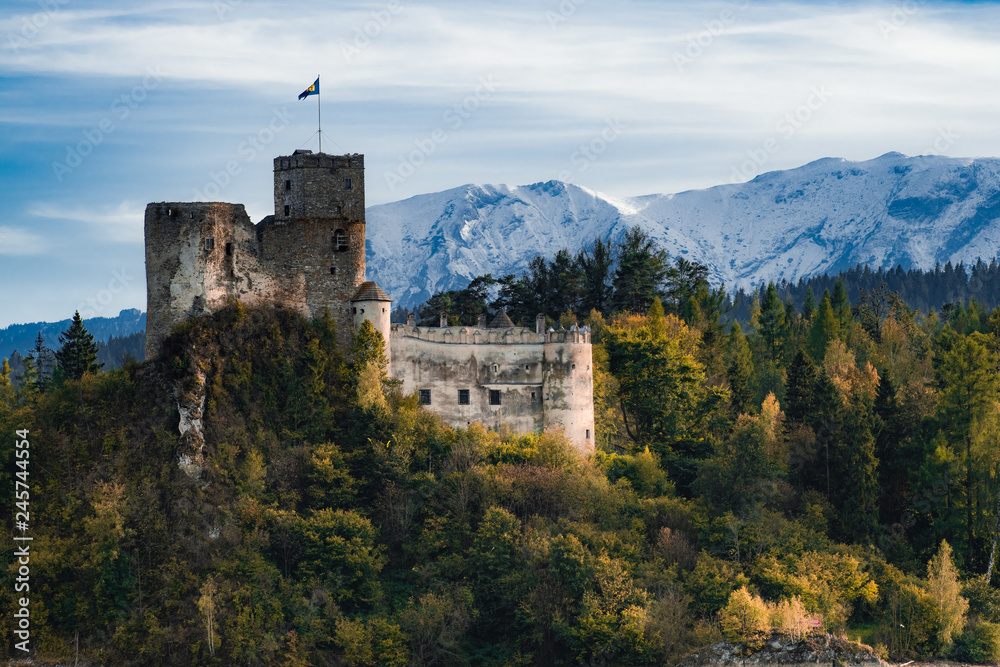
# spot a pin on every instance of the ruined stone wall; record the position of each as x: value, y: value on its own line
x: 309, y: 256
x: 542, y: 381
x: 198, y: 257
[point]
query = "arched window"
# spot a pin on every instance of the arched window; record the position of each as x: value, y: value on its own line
x: 340, y: 243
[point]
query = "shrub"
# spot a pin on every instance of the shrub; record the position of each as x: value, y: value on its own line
x: 745, y: 618
x: 979, y: 644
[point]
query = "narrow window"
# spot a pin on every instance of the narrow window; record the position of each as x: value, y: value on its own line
x: 463, y: 396
x: 288, y: 186
x: 347, y: 184
x: 210, y: 244
x: 496, y: 368
x: 532, y: 395
x: 425, y: 397
x: 588, y: 434
x: 229, y: 249
x: 287, y: 209
x: 338, y: 210
x: 333, y: 270
x: 494, y: 397
x: 340, y: 243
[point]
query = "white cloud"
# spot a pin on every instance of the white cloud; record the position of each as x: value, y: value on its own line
x: 17, y: 242
x: 122, y: 223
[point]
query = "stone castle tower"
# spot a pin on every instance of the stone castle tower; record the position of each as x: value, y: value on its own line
x: 310, y: 256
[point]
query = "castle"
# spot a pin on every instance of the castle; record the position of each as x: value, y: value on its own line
x: 310, y: 256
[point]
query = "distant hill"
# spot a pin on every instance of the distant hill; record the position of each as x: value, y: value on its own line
x: 21, y: 337
x: 825, y: 217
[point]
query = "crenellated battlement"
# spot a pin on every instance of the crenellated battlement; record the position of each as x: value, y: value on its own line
x: 473, y: 335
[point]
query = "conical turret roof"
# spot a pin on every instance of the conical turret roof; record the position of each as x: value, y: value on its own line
x: 501, y: 321
x: 369, y: 291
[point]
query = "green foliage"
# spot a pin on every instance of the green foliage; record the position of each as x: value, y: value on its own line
x: 642, y: 267
x: 979, y: 644
x: 739, y: 371
x: 332, y: 521
x: 772, y: 326
x: 662, y: 392
x: 710, y: 584
x: 78, y: 353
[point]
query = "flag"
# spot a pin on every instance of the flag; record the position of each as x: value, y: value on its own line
x: 311, y: 90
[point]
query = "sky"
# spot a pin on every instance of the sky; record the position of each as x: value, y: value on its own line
x: 108, y: 105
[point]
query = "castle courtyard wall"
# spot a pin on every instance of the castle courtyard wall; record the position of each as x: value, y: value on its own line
x: 541, y: 383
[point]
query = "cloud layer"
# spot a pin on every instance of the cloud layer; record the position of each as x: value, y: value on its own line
x: 108, y: 102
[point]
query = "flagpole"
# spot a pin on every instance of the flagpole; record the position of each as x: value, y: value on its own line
x: 319, y: 114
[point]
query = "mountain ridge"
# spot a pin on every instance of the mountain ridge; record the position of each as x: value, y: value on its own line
x: 826, y: 216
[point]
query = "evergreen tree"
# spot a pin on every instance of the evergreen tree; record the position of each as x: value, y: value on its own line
x: 78, y: 354
x: 842, y: 305
x: 858, y: 475
x: 809, y: 306
x: 682, y: 283
x: 966, y: 374
x: 825, y: 422
x: 739, y: 371
x: 825, y: 328
x: 890, y: 432
x: 642, y: 266
x: 772, y: 324
x: 6, y: 386
x: 800, y: 385
x: 596, y: 264
x: 44, y: 361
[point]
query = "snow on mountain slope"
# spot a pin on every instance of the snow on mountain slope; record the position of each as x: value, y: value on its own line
x: 823, y: 217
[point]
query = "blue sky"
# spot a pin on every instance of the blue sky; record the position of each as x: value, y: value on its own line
x: 106, y: 106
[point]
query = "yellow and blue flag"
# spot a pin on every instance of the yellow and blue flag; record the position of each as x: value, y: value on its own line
x: 311, y: 90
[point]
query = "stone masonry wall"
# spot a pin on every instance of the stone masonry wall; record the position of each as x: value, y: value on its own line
x: 198, y: 257
x: 543, y: 380
x: 309, y: 256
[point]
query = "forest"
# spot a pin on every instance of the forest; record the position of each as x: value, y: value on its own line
x: 831, y: 463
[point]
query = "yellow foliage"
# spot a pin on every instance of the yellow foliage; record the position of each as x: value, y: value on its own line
x: 745, y: 618
x: 842, y: 370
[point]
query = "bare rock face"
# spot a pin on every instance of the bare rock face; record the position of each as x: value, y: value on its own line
x: 191, y: 406
x: 777, y: 650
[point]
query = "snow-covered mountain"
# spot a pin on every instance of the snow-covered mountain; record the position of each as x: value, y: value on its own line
x: 823, y: 217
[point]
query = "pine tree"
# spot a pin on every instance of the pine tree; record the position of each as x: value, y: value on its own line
x: 891, y: 431
x: 858, y: 476
x: 739, y: 370
x: 842, y: 305
x: 642, y: 266
x: 825, y: 327
x: 596, y: 264
x: 773, y: 324
x: 78, y: 354
x: 809, y: 307
x: 6, y: 386
x: 44, y: 361
x: 966, y: 374
x: 800, y: 400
